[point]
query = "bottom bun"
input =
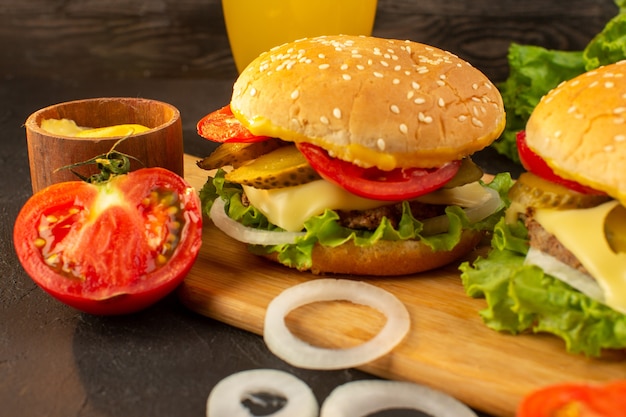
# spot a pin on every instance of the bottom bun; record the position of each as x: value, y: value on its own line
x: 386, y: 258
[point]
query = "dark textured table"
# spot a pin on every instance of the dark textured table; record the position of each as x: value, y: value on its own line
x: 164, y: 361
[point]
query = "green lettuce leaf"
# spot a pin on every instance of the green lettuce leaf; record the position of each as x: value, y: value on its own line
x: 326, y: 229
x: 522, y: 298
x: 534, y: 71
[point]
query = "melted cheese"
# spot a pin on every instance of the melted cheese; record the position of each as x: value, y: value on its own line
x: 582, y: 232
x: 290, y: 207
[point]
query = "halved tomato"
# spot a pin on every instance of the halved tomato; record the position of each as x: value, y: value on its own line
x: 395, y: 185
x: 535, y: 164
x: 114, y: 247
x: 222, y: 126
x: 576, y: 400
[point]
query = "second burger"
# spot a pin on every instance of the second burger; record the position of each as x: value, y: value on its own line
x: 351, y: 155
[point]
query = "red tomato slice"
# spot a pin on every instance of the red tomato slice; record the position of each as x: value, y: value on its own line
x: 576, y: 400
x: 535, y: 164
x: 222, y: 126
x: 374, y: 183
x: 111, y: 248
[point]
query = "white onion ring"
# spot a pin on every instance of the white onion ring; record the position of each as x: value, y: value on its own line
x: 301, y: 354
x: 246, y: 234
x: 485, y: 208
x: 226, y: 397
x: 362, y: 398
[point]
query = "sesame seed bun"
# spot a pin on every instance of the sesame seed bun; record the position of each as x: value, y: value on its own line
x: 579, y: 129
x: 370, y: 101
x: 387, y: 258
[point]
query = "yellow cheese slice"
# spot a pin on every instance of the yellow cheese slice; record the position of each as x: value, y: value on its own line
x: 582, y: 232
x: 290, y: 207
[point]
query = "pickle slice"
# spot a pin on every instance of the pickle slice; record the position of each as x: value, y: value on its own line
x: 531, y: 190
x: 283, y: 167
x: 236, y: 154
x: 615, y: 229
x: 468, y: 172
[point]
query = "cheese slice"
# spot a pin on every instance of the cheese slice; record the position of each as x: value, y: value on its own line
x: 290, y: 207
x: 582, y: 232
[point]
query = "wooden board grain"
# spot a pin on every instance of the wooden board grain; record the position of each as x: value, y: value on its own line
x: 448, y: 347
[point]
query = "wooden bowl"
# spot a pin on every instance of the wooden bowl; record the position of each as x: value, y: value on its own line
x: 161, y: 146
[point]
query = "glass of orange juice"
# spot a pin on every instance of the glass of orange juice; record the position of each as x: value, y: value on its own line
x: 255, y: 26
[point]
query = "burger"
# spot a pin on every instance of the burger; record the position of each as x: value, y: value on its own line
x: 351, y: 155
x: 558, y: 257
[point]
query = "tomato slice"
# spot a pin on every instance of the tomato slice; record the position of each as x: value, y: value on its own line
x: 111, y: 248
x: 222, y: 126
x: 578, y: 400
x: 535, y: 164
x: 374, y: 183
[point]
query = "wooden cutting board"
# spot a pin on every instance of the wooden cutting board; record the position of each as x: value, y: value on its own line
x: 448, y: 347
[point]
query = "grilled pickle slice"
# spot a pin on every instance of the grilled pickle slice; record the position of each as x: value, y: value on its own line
x: 468, y: 172
x: 531, y: 190
x: 283, y: 167
x: 236, y: 154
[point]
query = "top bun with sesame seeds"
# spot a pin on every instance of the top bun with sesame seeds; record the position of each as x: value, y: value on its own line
x: 370, y: 101
x: 579, y: 130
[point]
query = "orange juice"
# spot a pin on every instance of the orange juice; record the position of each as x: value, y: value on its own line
x: 255, y: 26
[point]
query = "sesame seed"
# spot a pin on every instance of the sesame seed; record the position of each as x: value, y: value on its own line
x: 619, y: 138
x: 346, y: 77
x: 324, y: 120
x: 415, y: 85
x: 360, y: 67
x: 609, y: 148
x: 410, y: 94
x: 344, y: 67
x: 609, y: 84
x: 380, y: 143
x: 403, y: 128
x: 475, y: 86
x: 324, y: 66
x: 384, y: 63
x: 419, y: 100
x: 378, y: 75
x: 572, y: 109
x: 423, y: 118
x: 619, y: 110
x: 396, y: 81
x: 337, y: 113
x: 462, y: 118
x: 440, y: 83
x: 397, y: 68
x: 321, y: 56
x: 394, y: 109
x: 253, y: 91
x: 295, y: 94
x: 441, y: 102
x: 476, y: 122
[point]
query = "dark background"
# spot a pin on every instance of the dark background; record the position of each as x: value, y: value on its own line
x: 164, y: 361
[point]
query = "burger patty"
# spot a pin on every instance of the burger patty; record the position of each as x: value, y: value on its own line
x: 370, y: 219
x: 541, y: 239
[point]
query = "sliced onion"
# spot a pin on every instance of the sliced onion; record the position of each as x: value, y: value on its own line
x: 301, y: 354
x: 481, y: 209
x: 362, y: 398
x: 247, y: 234
x: 579, y: 280
x: 225, y: 400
